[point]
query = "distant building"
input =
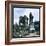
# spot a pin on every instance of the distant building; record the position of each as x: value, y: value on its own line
x: 31, y: 24
x: 30, y: 18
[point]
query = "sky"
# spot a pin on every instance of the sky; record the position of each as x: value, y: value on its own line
x: 25, y: 11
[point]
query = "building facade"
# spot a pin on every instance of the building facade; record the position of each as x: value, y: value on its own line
x: 31, y: 24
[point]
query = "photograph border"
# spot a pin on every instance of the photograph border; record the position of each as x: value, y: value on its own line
x: 7, y: 22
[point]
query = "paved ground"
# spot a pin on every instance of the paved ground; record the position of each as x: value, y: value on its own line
x: 32, y: 35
